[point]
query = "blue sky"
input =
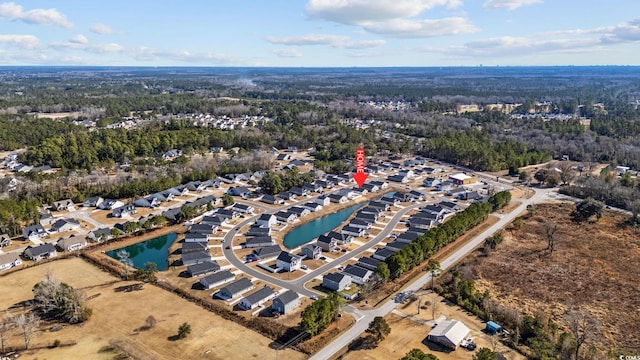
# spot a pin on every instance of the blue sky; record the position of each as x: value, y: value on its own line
x: 320, y: 32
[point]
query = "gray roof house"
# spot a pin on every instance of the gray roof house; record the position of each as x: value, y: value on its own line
x: 270, y: 199
x: 258, y: 231
x: 382, y: 254
x: 358, y: 274
x: 235, y: 288
x: 71, y: 243
x: 196, y: 257
x: 368, y: 263
x: 288, y: 262
x: 326, y: 243
x: 46, y: 219
x: 9, y: 260
x: 350, y: 230
x: 40, y: 252
x: 286, y: 302
x: 63, y: 205
x: 242, y: 208
x: 257, y: 298
x: 191, y: 247
x: 336, y: 281
x: 218, y: 278
x: 323, y: 200
x: 258, y: 241
x: 62, y: 225
x: 92, y: 201
x: 123, y: 211
x: 299, y: 211
x: 396, y: 245
x: 286, y: 216
x: 267, y: 252
x: 312, y: 206
x: 311, y: 251
x: 266, y: 220
x: 34, y: 232
x: 203, y: 268
x: 101, y: 234
x: 203, y: 229
x: 213, y: 220
x: 196, y: 237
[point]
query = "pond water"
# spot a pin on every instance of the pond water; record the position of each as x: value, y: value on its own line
x: 311, y: 230
x: 155, y: 250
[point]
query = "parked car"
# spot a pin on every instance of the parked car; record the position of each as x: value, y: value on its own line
x: 313, y: 297
x: 304, y: 267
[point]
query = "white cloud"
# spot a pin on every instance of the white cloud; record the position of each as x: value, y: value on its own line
x: 102, y: 29
x: 13, y: 11
x: 362, y: 44
x: 409, y: 28
x: 288, y: 53
x: 509, y: 4
x: 311, y: 39
x: 353, y: 12
x: 79, y: 39
x: 395, y: 18
x: 21, y: 41
x: 143, y: 53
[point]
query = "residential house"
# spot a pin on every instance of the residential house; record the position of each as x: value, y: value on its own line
x: 358, y: 274
x: 270, y: 199
x: 371, y: 187
x: 398, y: 178
x: 336, y: 281
x: 63, y: 205
x: 257, y: 298
x: 203, y: 229
x: 360, y: 224
x: 5, y: 240
x: 283, y: 157
x: 195, y: 258
x: 470, y: 195
x: 267, y: 252
x: 214, y: 220
x: 172, y: 214
x: 431, y: 182
x: 292, y: 149
x: 267, y: 220
x: 288, y: 261
x: 62, y: 225
x: 390, y: 200
x: 341, y: 238
x: 462, y: 179
x: 376, y: 212
x: 369, y: 218
x: 213, y: 183
x: 40, y: 252
x: 244, y: 209
x: 258, y: 231
x: 380, y: 205
x: 350, y: 230
x: 455, y: 193
x: 323, y: 200
x: 196, y: 186
x: 227, y: 214
x: 192, y: 237
x: 444, y: 186
x: 437, y: 210
x: 287, y: 195
x: 71, y: 243
x: 194, y: 246
x: 148, y: 202
x: 421, y: 222
x: 312, y: 206
x: 299, y: 211
x: 298, y: 191
x: 286, y: 216
x: 431, y: 170
x: 235, y: 288
x: 340, y: 199
x: 348, y: 193
x: 216, y: 279
x: 382, y: 254
x: 171, y: 154
x: 46, y: 219
x: 382, y: 185
x: 368, y: 263
x: 311, y: 251
x: 312, y: 188
x: 239, y: 191
x: 326, y: 243
x: 93, y: 202
x: 34, y: 232
x: 259, y: 241
x: 415, y: 195
x: 102, y: 234
x: 449, y: 333
x: 396, y: 245
x: 449, y: 205
x: 9, y: 260
x: 407, y: 237
x: 203, y: 268
x: 122, y: 211
x: 286, y: 302
x: 324, y: 184
x: 409, y: 174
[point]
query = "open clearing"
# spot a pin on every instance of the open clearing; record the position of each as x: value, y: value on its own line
x: 592, y: 265
x: 118, y: 314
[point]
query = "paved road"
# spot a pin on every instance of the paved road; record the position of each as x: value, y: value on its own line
x: 362, y: 322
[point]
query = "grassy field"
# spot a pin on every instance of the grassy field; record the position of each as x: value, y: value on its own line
x: 592, y: 265
x: 118, y: 317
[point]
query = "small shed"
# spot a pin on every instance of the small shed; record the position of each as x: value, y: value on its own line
x: 492, y: 327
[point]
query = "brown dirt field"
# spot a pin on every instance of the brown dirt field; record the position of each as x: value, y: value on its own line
x: 117, y: 315
x: 591, y: 265
x: 407, y: 333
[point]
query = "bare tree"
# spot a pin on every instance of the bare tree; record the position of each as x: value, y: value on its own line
x: 634, y: 207
x: 550, y: 229
x: 7, y: 323
x: 151, y: 321
x: 582, y: 326
x: 28, y: 324
x: 566, y: 172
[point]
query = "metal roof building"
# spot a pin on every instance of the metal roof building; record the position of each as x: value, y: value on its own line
x: 449, y: 333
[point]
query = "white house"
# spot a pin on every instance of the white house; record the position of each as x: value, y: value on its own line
x: 323, y: 200
x: 288, y: 261
x: 9, y: 260
x: 266, y: 220
x: 258, y: 298
x: 449, y: 333
x: 358, y: 274
x: 71, y: 243
x: 336, y: 281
